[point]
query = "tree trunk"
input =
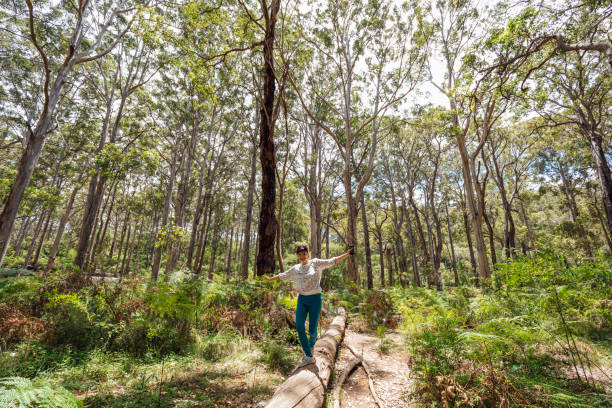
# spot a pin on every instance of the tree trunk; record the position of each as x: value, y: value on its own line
x: 395, y: 263
x: 215, y: 244
x: 491, y: 238
x: 603, y: 174
x: 231, y: 242
x: 397, y: 229
x: 244, y: 264
x: 100, y: 241
x: 413, y: 251
x: 95, y: 189
x: 42, y: 238
x: 571, y: 202
x: 182, y: 194
x: 419, y: 228
x: 604, y: 229
x: 327, y: 231
x: 125, y: 225
x: 125, y: 250
x: 366, y: 243
x: 21, y: 236
x: 475, y: 214
x: 266, y: 261
x: 452, y: 248
x: 111, y: 251
x: 351, y: 269
x: 431, y: 279
x: 228, y: 263
x: 24, y: 173
x: 468, y: 236
x: 34, y: 239
x: 529, y: 231
x: 390, y: 264
x: 509, y: 228
x: 381, y: 254
x: 201, y: 251
x: 126, y: 271
x: 166, y: 212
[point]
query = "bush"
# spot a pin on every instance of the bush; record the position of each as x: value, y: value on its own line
x: 215, y: 347
x: 521, y: 341
x: 16, y: 327
x: 23, y: 293
x: 16, y: 392
x: 5, y: 273
x: 70, y: 322
x: 276, y: 357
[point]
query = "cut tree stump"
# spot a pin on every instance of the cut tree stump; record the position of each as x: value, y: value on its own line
x: 306, y: 387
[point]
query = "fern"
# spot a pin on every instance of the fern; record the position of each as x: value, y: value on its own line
x: 17, y: 392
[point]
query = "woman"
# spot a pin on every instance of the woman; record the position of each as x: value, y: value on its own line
x: 307, y: 279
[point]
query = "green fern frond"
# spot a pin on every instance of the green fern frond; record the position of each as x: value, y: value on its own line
x: 17, y: 392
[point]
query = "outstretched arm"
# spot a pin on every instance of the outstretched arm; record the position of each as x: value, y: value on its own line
x: 342, y: 257
x: 281, y: 275
x: 326, y: 263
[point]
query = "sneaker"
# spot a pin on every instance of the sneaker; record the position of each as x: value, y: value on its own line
x: 306, y: 360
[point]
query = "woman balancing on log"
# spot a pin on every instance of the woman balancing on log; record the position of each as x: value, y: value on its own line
x: 307, y: 280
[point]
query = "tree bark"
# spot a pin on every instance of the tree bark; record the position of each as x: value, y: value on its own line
x: 42, y: 238
x: 215, y: 244
x: 603, y: 173
x: 266, y: 261
x: 366, y: 243
x: 125, y: 225
x: 491, y: 238
x: 509, y: 228
x: 452, y: 248
x: 131, y: 250
x: 381, y: 254
x: 125, y: 250
x: 34, y: 239
x: 468, y: 236
x: 244, y: 264
x: 100, y: 241
x: 390, y: 264
x: 21, y: 236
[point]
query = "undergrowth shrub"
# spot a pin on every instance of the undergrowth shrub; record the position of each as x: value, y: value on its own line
x: 16, y: 392
x: 276, y: 357
x: 70, y: 321
x: 523, y: 341
x: 217, y: 346
x: 16, y: 327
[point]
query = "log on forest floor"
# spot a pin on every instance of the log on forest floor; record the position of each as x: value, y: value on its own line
x: 306, y: 387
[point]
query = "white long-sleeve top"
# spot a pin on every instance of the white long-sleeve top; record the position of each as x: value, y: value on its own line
x: 307, y: 277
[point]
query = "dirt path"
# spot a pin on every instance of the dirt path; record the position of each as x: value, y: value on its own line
x: 390, y: 372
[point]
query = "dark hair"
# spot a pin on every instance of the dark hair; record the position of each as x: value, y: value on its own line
x: 301, y: 248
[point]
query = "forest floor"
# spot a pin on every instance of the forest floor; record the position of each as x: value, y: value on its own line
x: 390, y: 371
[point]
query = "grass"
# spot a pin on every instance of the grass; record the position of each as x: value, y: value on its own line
x: 9, y: 273
x: 113, y: 379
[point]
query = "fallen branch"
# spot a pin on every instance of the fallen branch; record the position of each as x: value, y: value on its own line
x: 336, y: 394
x: 367, y: 370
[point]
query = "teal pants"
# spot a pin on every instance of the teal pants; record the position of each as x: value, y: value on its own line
x: 310, y: 305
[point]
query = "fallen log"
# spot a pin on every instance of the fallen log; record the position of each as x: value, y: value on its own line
x: 306, y: 386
